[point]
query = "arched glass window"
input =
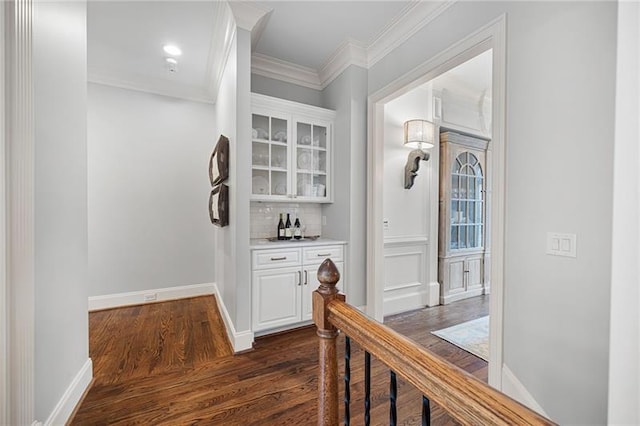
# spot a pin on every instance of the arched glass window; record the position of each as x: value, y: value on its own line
x: 467, y: 204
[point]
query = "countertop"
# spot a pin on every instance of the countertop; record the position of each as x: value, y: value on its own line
x: 266, y: 244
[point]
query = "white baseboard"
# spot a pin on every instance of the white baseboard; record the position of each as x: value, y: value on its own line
x: 138, y: 297
x: 404, y: 303
x: 516, y: 390
x: 240, y: 340
x: 433, y: 294
x: 71, y: 397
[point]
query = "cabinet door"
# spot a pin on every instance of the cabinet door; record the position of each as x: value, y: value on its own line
x: 473, y: 270
x: 456, y: 282
x: 270, y: 156
x: 311, y: 283
x: 311, y: 160
x: 276, y: 297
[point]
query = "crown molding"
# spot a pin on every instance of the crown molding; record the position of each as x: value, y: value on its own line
x: 248, y: 14
x: 155, y: 86
x: 409, y: 21
x: 278, y: 69
x: 219, y: 48
x: 351, y: 52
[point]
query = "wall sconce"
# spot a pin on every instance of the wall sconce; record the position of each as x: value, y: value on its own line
x: 418, y: 134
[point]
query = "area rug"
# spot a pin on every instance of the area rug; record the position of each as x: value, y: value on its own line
x: 472, y: 336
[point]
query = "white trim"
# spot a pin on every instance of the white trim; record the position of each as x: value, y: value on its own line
x: 289, y: 72
x: 492, y: 36
x: 4, y: 355
x: 20, y: 211
x: 242, y: 340
x: 71, y: 397
x: 516, y: 390
x: 223, y: 33
x: 350, y: 52
x: 248, y: 14
x: 117, y: 300
x: 150, y: 85
x: 404, y: 303
x: 433, y: 292
x: 410, y: 20
x: 406, y: 240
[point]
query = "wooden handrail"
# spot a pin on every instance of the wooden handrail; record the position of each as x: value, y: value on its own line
x: 463, y: 396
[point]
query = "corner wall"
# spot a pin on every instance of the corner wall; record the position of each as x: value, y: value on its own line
x: 62, y: 367
x: 347, y: 95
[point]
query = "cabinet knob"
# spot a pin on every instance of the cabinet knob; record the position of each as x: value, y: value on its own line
x: 324, y: 255
x: 279, y: 258
x: 299, y: 278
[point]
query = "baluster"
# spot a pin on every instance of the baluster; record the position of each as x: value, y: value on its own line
x: 347, y: 379
x: 393, y: 393
x: 367, y: 388
x: 426, y: 411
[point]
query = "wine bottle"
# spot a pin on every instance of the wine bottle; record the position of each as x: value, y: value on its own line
x: 288, y: 232
x: 281, y: 229
x: 297, y: 234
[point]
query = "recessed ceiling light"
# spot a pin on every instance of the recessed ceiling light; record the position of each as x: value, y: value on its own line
x: 171, y: 61
x: 172, y: 50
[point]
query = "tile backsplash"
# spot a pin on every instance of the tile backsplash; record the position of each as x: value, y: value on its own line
x: 265, y: 216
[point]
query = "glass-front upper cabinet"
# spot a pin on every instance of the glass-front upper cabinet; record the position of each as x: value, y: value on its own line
x: 270, y: 155
x: 291, y: 151
x: 467, y: 207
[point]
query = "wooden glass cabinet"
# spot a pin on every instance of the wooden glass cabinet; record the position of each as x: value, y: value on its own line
x: 461, y: 242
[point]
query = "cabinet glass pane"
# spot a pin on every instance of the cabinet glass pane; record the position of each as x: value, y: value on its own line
x: 320, y: 136
x: 471, y: 212
x: 278, y: 130
x: 279, y: 156
x: 278, y: 182
x: 454, y: 237
x: 462, y: 237
x: 463, y: 188
x: 260, y: 182
x: 304, y: 161
x: 304, y: 134
x: 260, y: 154
x: 305, y: 184
x: 471, y: 236
x: 260, y: 124
x: 454, y: 186
x: 320, y: 161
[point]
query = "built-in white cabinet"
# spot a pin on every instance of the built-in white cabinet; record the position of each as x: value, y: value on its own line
x: 283, y: 281
x: 291, y: 151
x: 462, y: 235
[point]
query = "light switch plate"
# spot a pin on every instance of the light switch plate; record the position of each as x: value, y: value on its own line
x: 561, y: 244
x: 385, y: 224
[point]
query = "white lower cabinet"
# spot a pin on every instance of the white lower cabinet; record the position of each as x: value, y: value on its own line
x: 282, y: 295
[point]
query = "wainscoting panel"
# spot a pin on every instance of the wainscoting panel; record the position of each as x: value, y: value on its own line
x: 405, y: 274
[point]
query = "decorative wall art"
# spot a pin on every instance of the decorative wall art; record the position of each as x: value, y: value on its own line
x: 218, y: 174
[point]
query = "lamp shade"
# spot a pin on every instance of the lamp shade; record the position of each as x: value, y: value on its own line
x: 418, y: 134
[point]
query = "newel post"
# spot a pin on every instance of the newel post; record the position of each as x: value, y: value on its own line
x: 328, y: 276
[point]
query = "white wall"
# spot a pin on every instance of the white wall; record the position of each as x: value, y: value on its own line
x: 624, y: 351
x: 233, y: 119
x: 60, y: 99
x: 148, y: 158
x: 560, y: 86
x: 283, y: 90
x: 347, y: 95
x: 408, y: 211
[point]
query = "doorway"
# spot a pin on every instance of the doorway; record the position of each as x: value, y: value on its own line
x: 489, y: 38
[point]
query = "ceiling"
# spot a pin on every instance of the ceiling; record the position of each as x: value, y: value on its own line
x: 125, y: 39
x: 307, y: 33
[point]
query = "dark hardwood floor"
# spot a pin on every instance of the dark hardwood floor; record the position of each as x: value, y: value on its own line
x: 171, y: 364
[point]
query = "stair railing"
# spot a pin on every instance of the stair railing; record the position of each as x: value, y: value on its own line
x: 464, y: 397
